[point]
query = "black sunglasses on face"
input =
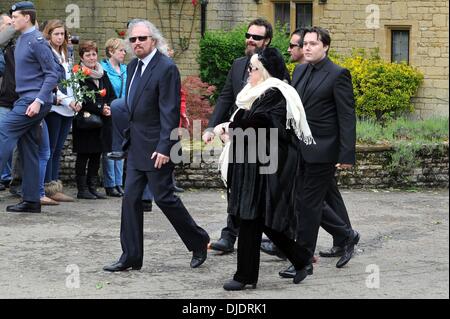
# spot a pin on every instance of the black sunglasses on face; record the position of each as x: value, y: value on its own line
x: 141, y: 38
x: 251, y: 68
x: 254, y: 37
x: 293, y: 45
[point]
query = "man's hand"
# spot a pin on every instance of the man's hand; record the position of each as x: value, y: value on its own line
x: 343, y: 166
x: 208, y: 137
x: 160, y: 160
x: 33, y: 109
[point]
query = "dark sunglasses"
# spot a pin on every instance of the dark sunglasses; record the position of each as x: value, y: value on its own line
x: 141, y: 39
x: 254, y: 37
x: 293, y: 45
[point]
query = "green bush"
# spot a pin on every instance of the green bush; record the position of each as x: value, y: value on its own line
x: 383, y: 90
x: 218, y: 50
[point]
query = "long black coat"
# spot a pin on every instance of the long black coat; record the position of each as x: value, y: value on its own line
x: 97, y: 140
x: 254, y: 195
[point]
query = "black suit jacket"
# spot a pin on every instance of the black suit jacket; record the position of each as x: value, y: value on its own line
x: 330, y: 111
x: 226, y: 103
x: 155, y: 113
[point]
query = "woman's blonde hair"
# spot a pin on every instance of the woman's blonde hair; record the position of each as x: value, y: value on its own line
x: 48, y: 30
x: 112, y: 45
x: 255, y: 62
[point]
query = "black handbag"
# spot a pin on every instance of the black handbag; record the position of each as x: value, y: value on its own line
x: 88, y: 121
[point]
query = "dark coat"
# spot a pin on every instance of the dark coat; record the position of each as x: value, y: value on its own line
x: 235, y: 82
x: 155, y: 112
x: 330, y: 110
x: 271, y: 196
x: 97, y: 140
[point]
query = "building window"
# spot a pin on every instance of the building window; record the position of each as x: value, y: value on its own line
x: 283, y: 15
x: 304, y: 15
x: 400, y: 46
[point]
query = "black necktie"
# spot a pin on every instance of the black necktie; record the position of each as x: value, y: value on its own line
x: 307, y: 79
x: 135, y: 84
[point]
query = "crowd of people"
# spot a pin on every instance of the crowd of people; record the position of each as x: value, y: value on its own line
x: 136, y: 108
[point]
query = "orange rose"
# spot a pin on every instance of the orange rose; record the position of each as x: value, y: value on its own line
x: 86, y: 71
x: 102, y: 92
x: 76, y: 68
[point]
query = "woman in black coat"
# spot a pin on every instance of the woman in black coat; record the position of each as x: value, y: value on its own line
x: 261, y: 189
x: 89, y: 144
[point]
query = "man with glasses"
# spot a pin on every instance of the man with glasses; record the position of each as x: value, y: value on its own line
x: 153, y: 99
x: 258, y: 36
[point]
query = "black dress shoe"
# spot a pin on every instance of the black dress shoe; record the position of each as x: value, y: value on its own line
x: 112, y: 192
x: 234, y: 285
x: 349, y: 250
x: 290, y: 272
x: 119, y: 266
x: 223, y: 245
x: 199, y: 257
x: 269, y: 248
x: 300, y: 275
x: 116, y: 156
x: 25, y: 207
x: 147, y: 205
x: 334, y: 251
x: 120, y: 190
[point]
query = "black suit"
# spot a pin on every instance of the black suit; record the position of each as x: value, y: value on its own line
x: 327, y: 94
x: 154, y: 113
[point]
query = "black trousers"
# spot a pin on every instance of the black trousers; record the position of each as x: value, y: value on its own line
x: 132, y: 223
x: 318, y: 184
x: 92, y: 161
x: 248, y: 254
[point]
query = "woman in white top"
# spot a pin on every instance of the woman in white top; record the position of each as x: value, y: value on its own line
x: 59, y: 119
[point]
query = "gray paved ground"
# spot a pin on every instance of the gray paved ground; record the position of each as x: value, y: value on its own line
x: 405, y: 235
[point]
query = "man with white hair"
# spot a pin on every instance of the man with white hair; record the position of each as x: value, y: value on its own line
x: 153, y: 99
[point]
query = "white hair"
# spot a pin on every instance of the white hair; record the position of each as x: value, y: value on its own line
x: 161, y: 43
x: 254, y: 60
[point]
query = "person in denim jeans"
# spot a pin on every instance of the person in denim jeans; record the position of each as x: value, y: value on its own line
x: 117, y: 73
x: 59, y: 120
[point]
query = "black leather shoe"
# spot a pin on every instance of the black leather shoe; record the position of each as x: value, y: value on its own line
x: 300, y: 275
x: 116, y: 156
x: 147, y: 205
x: 112, y: 192
x: 234, y: 285
x: 2, y: 187
x: 199, y: 257
x: 25, y: 207
x: 120, y: 190
x: 269, y: 248
x: 334, y: 251
x: 223, y: 245
x: 119, y: 266
x: 290, y: 272
x: 349, y: 250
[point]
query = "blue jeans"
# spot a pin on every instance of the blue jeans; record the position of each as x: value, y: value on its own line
x: 25, y: 132
x: 112, y: 172
x: 44, y: 155
x: 58, y: 129
x: 6, y: 171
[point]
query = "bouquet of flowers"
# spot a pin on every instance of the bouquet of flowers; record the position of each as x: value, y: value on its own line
x: 80, y: 92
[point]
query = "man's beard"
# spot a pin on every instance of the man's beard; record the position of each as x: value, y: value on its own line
x: 250, y: 50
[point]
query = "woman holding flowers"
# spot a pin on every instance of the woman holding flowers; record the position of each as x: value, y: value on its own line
x: 59, y: 120
x: 90, y: 143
